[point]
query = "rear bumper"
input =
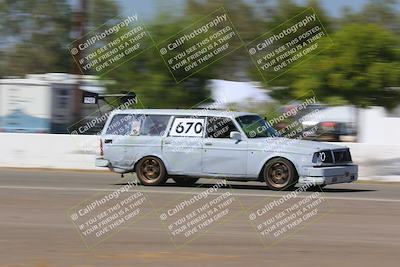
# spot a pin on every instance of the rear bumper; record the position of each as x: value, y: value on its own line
x: 100, y: 162
x: 330, y: 175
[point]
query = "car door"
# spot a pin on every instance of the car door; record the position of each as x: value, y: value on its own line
x: 182, y: 146
x: 146, y: 137
x: 221, y: 154
x: 116, y: 138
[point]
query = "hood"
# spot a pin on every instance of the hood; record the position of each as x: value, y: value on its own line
x: 292, y: 145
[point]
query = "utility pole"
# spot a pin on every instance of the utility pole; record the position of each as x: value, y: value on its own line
x: 79, y: 30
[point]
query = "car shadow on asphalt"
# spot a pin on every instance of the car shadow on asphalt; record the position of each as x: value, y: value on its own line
x: 346, y: 190
x: 258, y: 187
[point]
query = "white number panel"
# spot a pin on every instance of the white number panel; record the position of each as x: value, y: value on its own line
x: 187, y: 127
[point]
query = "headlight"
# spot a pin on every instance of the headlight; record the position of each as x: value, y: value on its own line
x: 324, y: 156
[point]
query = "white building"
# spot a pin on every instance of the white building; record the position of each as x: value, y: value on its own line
x: 43, y: 103
x: 241, y: 94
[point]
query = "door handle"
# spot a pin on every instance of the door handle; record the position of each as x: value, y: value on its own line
x: 108, y: 141
x: 167, y: 142
x: 208, y: 144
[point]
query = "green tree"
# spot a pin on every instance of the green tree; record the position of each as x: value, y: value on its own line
x: 248, y: 25
x: 35, y: 33
x: 360, y: 69
x: 150, y: 78
x: 272, y: 15
x: 99, y: 11
x: 381, y: 12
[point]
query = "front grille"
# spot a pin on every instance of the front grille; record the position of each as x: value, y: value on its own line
x: 342, y: 156
x: 336, y: 156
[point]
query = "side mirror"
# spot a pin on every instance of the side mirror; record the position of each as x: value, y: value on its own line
x: 235, y: 135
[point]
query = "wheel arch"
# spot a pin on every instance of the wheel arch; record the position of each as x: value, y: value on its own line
x: 150, y: 155
x: 276, y: 157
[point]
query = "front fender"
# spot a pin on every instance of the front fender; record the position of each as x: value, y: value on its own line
x: 299, y: 161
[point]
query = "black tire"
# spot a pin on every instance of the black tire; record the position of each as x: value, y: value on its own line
x: 279, y: 174
x: 185, y: 181
x: 151, y: 171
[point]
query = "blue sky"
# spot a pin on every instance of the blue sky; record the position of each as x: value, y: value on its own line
x: 148, y: 8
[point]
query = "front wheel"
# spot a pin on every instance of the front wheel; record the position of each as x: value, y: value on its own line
x: 279, y: 174
x: 151, y: 171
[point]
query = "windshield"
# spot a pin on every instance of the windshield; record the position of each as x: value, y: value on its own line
x: 255, y: 127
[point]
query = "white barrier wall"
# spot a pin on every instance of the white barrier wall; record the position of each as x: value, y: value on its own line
x: 376, y: 162
x: 48, y: 151
x: 375, y: 127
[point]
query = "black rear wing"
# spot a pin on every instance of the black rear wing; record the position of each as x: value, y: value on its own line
x: 93, y: 98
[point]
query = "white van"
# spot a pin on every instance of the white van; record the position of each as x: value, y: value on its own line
x: 185, y: 145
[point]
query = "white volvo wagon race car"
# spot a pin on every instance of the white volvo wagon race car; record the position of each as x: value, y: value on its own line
x: 185, y: 145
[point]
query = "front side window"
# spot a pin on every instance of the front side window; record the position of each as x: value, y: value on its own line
x: 219, y: 127
x: 254, y: 127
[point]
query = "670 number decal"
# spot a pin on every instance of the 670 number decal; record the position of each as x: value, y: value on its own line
x: 187, y: 127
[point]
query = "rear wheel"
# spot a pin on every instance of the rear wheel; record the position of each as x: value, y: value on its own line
x: 185, y: 181
x: 279, y: 174
x: 151, y: 171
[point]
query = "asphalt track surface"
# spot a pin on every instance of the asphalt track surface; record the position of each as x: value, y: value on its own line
x: 359, y: 228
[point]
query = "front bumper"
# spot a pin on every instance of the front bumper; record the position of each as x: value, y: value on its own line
x: 330, y: 175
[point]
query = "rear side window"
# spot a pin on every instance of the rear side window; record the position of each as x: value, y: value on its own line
x: 219, y: 127
x: 154, y: 125
x: 121, y: 124
x: 138, y: 124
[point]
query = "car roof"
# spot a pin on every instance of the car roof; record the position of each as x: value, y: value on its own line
x: 189, y: 112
